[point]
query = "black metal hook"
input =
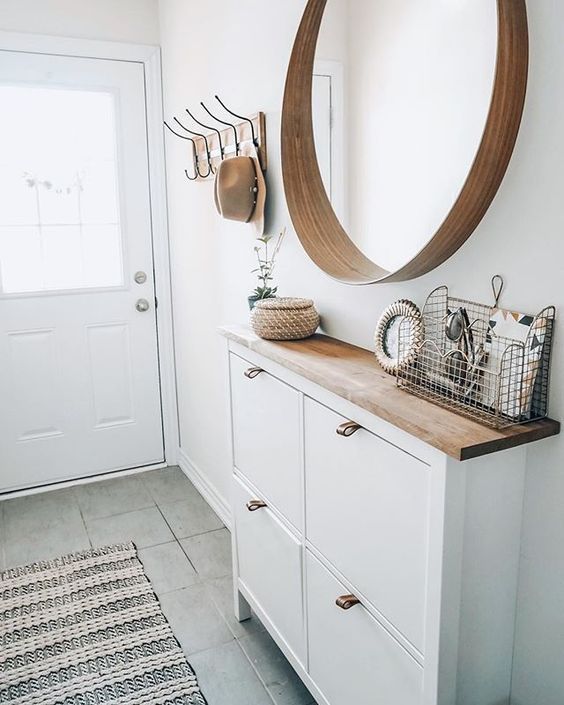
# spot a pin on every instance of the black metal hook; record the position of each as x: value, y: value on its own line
x: 208, y: 153
x: 240, y: 117
x: 214, y: 129
x: 223, y: 122
x: 195, y: 159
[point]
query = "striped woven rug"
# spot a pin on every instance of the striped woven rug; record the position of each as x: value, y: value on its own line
x: 87, y: 629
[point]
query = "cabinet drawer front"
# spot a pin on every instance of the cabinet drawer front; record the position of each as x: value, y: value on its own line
x: 266, y: 437
x: 352, y: 658
x: 270, y: 567
x: 367, y: 511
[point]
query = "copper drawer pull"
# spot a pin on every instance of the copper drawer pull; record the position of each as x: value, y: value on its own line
x: 255, y: 505
x: 347, y: 601
x: 253, y: 372
x: 348, y: 429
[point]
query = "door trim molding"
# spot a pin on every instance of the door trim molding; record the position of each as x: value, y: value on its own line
x: 150, y: 57
x: 161, y: 254
x: 69, y: 46
x: 335, y: 70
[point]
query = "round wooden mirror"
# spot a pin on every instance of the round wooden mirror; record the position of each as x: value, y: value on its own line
x: 429, y: 96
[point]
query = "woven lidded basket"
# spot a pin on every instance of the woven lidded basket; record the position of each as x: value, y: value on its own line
x: 284, y: 319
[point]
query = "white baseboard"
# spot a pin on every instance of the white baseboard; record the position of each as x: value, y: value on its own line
x: 205, y: 488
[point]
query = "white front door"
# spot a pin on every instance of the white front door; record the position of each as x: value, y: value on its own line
x: 79, y: 374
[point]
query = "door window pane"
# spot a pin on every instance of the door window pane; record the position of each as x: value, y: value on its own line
x: 59, y: 205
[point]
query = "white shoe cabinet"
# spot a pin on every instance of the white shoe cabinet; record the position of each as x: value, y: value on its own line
x: 384, y: 567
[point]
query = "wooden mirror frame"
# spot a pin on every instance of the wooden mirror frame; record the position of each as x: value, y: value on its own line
x: 318, y: 228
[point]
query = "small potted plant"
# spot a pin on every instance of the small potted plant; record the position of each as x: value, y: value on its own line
x: 266, y: 261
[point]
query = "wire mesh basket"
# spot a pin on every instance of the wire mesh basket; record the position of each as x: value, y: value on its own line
x: 467, y: 365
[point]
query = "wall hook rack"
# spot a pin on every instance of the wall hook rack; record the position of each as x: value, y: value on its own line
x: 195, y: 161
x: 212, y: 129
x: 224, y: 122
x: 219, y: 143
x: 207, y: 151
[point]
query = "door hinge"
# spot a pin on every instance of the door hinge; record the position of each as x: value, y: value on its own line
x: 156, y: 303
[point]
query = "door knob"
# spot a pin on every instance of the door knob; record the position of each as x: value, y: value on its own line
x: 142, y: 305
x: 140, y: 277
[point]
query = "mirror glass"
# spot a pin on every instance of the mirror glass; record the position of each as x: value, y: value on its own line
x: 401, y: 94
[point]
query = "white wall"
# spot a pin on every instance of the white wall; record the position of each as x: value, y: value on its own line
x: 113, y: 20
x: 241, y: 50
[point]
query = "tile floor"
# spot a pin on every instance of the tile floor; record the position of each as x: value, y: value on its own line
x: 186, y: 552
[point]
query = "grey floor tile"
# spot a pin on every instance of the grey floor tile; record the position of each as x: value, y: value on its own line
x: 194, y: 619
x: 39, y: 508
x: 190, y: 517
x: 110, y: 497
x: 210, y: 553
x: 280, y: 679
x: 67, y: 538
x: 167, y: 567
x: 221, y: 592
x: 169, y: 485
x: 227, y: 678
x: 145, y: 527
x: 41, y: 527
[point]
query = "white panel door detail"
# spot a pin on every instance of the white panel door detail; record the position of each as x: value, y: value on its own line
x: 328, y: 114
x: 79, y: 376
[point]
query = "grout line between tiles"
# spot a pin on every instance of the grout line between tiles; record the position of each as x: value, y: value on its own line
x: 258, y: 675
x: 189, y: 559
x: 256, y: 670
x: 83, y: 521
x: 177, y: 541
x: 155, y: 545
x: 117, y: 514
x: 147, y: 487
x: 235, y: 641
x: 200, y: 533
x: 162, y: 593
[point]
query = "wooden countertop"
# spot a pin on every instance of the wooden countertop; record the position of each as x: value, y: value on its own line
x: 353, y: 374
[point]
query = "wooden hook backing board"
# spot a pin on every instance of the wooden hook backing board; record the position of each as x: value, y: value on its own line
x: 228, y: 138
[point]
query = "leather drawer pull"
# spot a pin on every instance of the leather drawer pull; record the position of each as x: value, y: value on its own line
x: 255, y: 505
x: 348, y: 429
x: 253, y: 372
x: 347, y: 601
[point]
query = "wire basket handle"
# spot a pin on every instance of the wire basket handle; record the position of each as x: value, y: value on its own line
x: 497, y: 288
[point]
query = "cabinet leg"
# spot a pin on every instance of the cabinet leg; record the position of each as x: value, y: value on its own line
x: 242, y: 608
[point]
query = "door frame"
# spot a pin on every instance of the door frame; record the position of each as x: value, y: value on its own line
x: 150, y: 58
x: 335, y: 70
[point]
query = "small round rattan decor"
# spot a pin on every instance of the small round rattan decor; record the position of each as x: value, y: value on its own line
x: 284, y: 319
x: 402, y: 316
